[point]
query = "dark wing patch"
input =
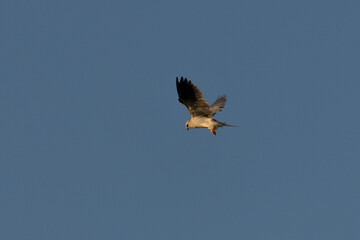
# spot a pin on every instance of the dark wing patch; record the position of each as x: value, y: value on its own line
x: 192, y: 98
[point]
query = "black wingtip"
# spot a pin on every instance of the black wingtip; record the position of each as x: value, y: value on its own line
x: 182, y: 80
x: 177, y: 79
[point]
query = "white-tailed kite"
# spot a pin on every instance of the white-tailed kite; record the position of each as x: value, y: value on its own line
x: 200, y: 111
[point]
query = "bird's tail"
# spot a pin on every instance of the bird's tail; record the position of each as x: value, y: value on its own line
x: 226, y: 124
x: 221, y: 124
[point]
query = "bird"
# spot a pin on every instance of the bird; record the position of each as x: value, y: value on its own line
x: 200, y: 111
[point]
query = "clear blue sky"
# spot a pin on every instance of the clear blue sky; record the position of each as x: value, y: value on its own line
x: 93, y: 139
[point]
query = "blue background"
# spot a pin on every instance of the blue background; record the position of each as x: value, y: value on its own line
x: 93, y: 139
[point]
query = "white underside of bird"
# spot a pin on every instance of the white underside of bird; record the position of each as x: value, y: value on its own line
x: 204, y: 122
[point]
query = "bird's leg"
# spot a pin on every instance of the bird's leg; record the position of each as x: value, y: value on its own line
x: 213, y: 131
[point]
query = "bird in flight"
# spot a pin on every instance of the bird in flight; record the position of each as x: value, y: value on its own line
x: 200, y: 111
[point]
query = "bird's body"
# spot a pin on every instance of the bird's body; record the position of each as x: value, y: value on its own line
x: 201, y: 112
x: 203, y: 122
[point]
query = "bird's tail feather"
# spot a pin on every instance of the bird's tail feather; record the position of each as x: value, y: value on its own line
x: 226, y: 124
x: 221, y: 124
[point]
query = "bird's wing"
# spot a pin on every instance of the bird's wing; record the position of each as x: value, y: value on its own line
x: 218, y: 104
x: 192, y: 98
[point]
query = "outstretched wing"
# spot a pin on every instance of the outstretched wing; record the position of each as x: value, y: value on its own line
x: 218, y: 104
x: 192, y: 98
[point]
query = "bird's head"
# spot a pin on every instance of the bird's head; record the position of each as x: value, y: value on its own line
x: 187, y: 125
